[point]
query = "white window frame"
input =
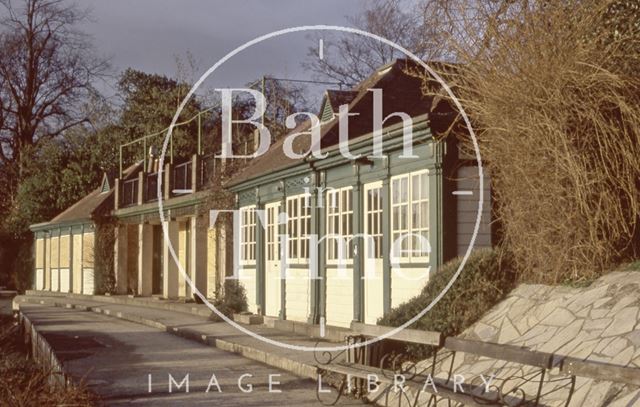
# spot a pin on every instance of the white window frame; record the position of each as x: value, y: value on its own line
x: 272, y: 235
x: 337, y: 208
x: 377, y: 218
x: 301, y: 219
x: 248, y: 235
x: 410, y: 204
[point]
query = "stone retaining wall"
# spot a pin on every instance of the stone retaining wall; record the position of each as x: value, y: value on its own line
x: 43, y: 354
x: 598, y: 323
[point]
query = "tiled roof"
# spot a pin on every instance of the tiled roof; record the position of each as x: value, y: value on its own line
x: 401, y: 93
x: 340, y: 97
x: 85, y: 208
x: 94, y: 204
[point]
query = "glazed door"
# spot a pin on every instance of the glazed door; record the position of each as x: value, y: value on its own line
x: 272, y: 261
x: 372, y: 275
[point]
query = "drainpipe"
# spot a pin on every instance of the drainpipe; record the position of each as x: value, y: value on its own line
x: 317, y: 300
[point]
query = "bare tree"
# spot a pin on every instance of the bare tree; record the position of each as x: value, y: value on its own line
x: 47, y: 68
x: 349, y: 58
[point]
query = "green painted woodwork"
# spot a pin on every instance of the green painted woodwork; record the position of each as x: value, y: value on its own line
x: 335, y: 171
x: 105, y: 184
x: 327, y: 111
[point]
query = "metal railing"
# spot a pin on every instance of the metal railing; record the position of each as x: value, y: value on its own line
x: 151, y: 187
x: 129, y: 192
x: 182, y: 175
x: 146, y: 142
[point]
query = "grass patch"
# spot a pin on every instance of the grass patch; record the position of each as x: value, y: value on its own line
x: 631, y: 266
x: 581, y: 282
x: 23, y: 383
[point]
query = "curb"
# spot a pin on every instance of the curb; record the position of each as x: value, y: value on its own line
x: 43, y: 354
x: 292, y: 366
x: 185, y: 308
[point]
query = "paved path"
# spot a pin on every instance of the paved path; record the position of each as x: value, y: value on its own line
x: 116, y: 357
x: 199, y: 328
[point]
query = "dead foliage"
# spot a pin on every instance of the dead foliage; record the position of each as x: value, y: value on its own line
x: 24, y: 384
x: 553, y: 91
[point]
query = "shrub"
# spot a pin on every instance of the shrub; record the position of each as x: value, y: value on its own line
x: 229, y: 299
x: 23, y: 265
x: 103, y: 257
x: 484, y: 281
x: 554, y: 93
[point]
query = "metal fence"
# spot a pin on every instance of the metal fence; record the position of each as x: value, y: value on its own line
x: 129, y: 192
x: 151, y: 187
x: 182, y: 176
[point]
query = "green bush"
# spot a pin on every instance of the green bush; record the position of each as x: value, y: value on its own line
x: 230, y: 299
x: 484, y: 281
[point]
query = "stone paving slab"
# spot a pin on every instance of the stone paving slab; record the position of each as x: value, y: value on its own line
x: 600, y: 323
x: 119, y: 359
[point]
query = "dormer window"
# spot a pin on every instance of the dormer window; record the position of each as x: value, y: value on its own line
x: 332, y: 101
x: 105, y: 187
x: 327, y: 112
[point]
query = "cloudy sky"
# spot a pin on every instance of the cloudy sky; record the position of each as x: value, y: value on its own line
x: 148, y: 34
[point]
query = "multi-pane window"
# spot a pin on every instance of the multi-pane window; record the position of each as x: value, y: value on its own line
x: 273, y: 244
x: 305, y: 226
x: 339, y: 223
x: 420, y: 213
x: 373, y: 225
x: 410, y: 215
x: 248, y: 234
x: 298, y: 226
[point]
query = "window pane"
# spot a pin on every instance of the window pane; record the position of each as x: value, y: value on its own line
x: 395, y: 188
x: 396, y: 218
x: 423, y: 251
x: 424, y: 186
x: 403, y: 217
x: 424, y: 215
x: 403, y: 190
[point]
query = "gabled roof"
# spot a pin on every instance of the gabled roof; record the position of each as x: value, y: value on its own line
x: 332, y: 101
x: 401, y: 93
x: 98, y: 202
x: 107, y: 182
x: 85, y: 209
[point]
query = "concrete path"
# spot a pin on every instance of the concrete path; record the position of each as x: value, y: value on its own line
x: 197, y: 327
x: 116, y: 358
